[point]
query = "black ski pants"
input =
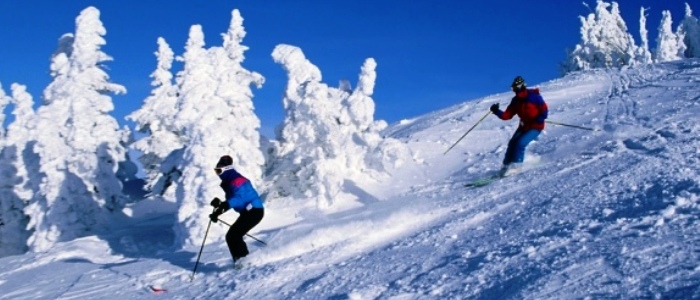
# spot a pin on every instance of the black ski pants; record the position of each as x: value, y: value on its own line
x: 245, y: 222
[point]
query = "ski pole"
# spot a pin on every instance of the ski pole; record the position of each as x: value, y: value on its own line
x: 574, y: 126
x: 200, y: 251
x: 470, y: 129
x: 250, y: 236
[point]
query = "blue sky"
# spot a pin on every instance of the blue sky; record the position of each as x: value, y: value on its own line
x: 430, y: 54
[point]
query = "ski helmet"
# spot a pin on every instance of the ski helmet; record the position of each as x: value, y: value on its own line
x: 224, y: 161
x: 518, y: 83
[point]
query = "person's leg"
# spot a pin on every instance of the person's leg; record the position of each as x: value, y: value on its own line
x: 521, y: 143
x: 512, y: 145
x: 234, y: 237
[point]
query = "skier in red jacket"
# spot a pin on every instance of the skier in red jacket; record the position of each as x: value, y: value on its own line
x: 530, y: 107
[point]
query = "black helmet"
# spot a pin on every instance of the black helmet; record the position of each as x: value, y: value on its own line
x: 224, y: 161
x: 518, y: 83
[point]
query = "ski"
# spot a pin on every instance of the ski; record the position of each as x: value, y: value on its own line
x: 483, y: 181
x: 157, y: 290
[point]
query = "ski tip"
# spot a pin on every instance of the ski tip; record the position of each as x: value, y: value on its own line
x: 157, y: 290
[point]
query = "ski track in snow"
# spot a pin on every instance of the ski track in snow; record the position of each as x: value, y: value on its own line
x: 605, y: 214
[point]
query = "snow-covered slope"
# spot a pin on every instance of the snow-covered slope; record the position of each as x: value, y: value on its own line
x: 611, y: 213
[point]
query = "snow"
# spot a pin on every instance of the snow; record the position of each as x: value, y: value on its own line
x: 596, y: 214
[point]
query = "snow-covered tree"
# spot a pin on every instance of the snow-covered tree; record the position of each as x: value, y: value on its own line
x: 13, y: 222
x: 690, y: 29
x: 216, y: 114
x: 79, y: 143
x: 156, y: 120
x: 605, y: 41
x: 309, y: 137
x: 359, y: 105
x: 22, y: 131
x: 23, y: 135
x: 380, y: 153
x: 643, y: 53
x: 4, y: 101
x: 669, y: 45
x: 240, y: 135
x: 328, y: 137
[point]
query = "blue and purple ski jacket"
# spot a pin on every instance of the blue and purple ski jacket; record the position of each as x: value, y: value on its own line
x: 240, y: 193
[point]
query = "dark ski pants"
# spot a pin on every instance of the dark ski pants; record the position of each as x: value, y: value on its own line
x: 245, y: 222
x: 517, y: 144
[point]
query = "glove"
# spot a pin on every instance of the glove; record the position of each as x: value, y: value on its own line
x: 494, y: 108
x: 223, y: 207
x: 214, y: 217
x: 216, y: 202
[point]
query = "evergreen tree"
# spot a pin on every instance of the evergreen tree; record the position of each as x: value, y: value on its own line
x: 21, y: 133
x: 308, y: 158
x: 13, y: 222
x: 12, y: 218
x: 4, y: 101
x: 670, y: 45
x: 359, y: 105
x: 16, y: 186
x: 643, y: 53
x: 690, y: 29
x: 238, y: 128
x: 155, y: 119
x: 216, y: 114
x: 328, y: 139
x: 605, y: 41
x: 79, y: 143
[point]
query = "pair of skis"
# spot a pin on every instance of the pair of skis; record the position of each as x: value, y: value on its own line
x: 493, y: 177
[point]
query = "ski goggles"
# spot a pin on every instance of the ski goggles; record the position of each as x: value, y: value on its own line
x: 222, y: 169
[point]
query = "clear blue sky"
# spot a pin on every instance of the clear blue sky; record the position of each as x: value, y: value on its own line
x: 430, y: 54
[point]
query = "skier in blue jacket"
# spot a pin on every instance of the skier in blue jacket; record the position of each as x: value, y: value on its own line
x: 242, y: 198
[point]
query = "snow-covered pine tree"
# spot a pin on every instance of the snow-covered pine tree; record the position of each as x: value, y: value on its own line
x: 22, y: 134
x: 216, y: 114
x: 669, y: 45
x: 328, y: 138
x: 359, y: 104
x: 238, y: 132
x: 643, y: 53
x: 690, y: 29
x: 17, y: 187
x: 4, y: 101
x: 308, y: 157
x: 381, y: 154
x: 79, y: 143
x: 605, y: 41
x: 156, y: 119
x: 13, y: 222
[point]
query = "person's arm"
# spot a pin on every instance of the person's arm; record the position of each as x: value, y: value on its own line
x: 543, y: 111
x: 509, y: 113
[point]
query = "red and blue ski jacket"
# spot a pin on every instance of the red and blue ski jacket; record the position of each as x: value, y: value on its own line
x: 240, y: 194
x: 530, y: 107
